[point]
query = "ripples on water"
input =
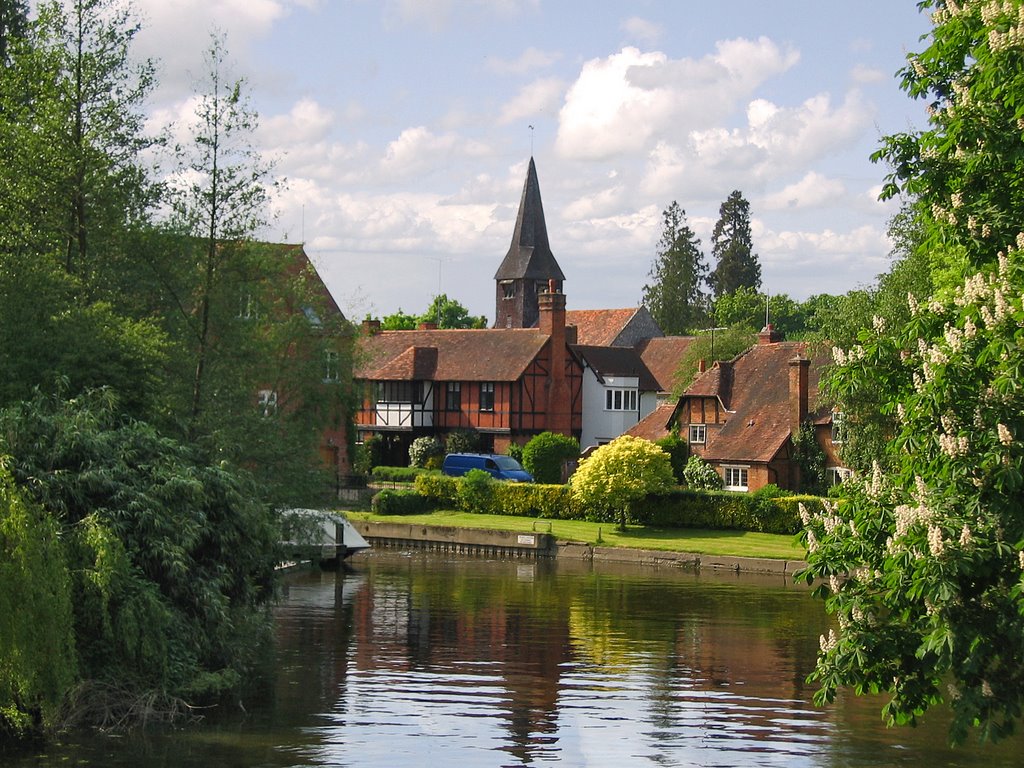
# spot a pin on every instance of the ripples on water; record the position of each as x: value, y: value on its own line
x: 419, y: 661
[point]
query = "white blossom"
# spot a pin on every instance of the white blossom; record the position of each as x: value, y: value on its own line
x: 912, y: 303
x: 828, y: 643
x: 1005, y: 436
x: 986, y: 689
x: 878, y: 323
x: 965, y: 536
x: 935, y: 543
x: 834, y: 584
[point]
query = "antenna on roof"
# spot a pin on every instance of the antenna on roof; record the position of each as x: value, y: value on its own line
x: 531, y: 139
x: 302, y: 229
x: 767, y: 299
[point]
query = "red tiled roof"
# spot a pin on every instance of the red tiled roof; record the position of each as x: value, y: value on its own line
x: 654, y: 425
x: 662, y: 355
x: 754, y: 388
x: 599, y: 327
x: 448, y: 355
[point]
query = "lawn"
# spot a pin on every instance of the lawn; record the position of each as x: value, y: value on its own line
x: 735, y: 543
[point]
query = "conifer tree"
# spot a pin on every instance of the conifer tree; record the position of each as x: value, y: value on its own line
x: 675, y: 296
x: 733, y: 248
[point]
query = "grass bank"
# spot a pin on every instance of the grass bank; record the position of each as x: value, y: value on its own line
x: 705, y: 542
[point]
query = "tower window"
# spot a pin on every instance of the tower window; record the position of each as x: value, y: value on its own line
x: 508, y: 289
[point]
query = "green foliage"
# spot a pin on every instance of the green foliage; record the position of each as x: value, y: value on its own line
x: 397, y: 474
x: 476, y: 492
x: 515, y: 451
x: 720, y: 510
x: 37, y: 648
x: 367, y: 455
x: 701, y: 476
x: 388, y: 502
x: 442, y: 489
x: 710, y: 346
x: 733, y: 248
x: 149, y: 525
x: 448, y: 313
x: 810, y: 458
x: 462, y: 441
x: 546, y: 454
x: 536, y: 500
x: 619, y: 473
x: 678, y: 451
x: 675, y: 296
x: 422, y: 449
x: 398, y: 321
x: 745, y: 308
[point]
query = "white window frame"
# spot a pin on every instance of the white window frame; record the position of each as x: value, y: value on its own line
x: 698, y: 434
x: 331, y: 359
x: 837, y: 475
x: 736, y: 472
x: 620, y: 399
x: 267, y: 399
x: 838, y: 427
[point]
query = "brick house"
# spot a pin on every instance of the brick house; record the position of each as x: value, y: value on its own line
x: 740, y: 415
x: 504, y: 384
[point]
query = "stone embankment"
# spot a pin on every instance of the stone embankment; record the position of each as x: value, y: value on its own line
x: 533, y: 545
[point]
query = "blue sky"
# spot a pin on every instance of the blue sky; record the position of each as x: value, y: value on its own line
x: 401, y: 128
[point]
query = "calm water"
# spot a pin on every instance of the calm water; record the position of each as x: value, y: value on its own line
x: 413, y: 660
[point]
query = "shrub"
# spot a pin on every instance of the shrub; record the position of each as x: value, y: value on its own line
x: 462, y: 441
x: 535, y: 500
x: 546, y: 454
x: 701, y: 476
x: 367, y: 455
x: 423, y: 449
x: 396, y: 474
x: 515, y: 450
x: 618, y: 474
x: 678, y: 451
x: 476, y: 492
x: 389, y: 502
x: 721, y: 510
x: 442, y: 490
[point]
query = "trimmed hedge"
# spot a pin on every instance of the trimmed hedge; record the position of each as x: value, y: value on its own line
x: 397, y: 474
x: 721, y: 510
x: 389, y: 502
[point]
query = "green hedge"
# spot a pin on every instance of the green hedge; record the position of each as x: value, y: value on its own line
x: 715, y: 510
x: 721, y: 510
x: 397, y: 474
x: 389, y: 502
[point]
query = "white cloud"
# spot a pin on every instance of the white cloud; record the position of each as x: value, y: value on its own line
x: 418, y: 150
x: 528, y: 61
x: 813, y: 190
x: 538, y: 98
x: 603, y: 203
x: 642, y: 30
x: 307, y: 122
x: 629, y: 101
x: 865, y: 75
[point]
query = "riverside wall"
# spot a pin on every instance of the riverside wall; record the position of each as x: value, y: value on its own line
x: 539, y: 544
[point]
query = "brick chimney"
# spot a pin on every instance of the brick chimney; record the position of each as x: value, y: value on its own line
x: 427, y: 325
x: 768, y: 335
x: 702, y: 365
x: 370, y: 327
x: 799, y: 369
x: 551, y: 305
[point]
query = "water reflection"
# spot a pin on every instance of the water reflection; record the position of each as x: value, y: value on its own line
x: 414, y: 660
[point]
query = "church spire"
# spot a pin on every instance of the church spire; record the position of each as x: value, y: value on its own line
x: 529, y: 263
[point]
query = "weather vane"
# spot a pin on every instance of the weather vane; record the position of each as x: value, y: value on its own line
x: 531, y: 139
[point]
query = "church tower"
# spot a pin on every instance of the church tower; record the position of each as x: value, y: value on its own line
x: 529, y: 264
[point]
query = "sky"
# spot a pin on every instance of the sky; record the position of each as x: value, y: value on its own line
x: 403, y: 130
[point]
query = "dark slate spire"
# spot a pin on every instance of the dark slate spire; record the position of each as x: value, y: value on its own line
x: 529, y: 257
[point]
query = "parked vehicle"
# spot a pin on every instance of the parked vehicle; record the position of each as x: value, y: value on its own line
x: 498, y: 466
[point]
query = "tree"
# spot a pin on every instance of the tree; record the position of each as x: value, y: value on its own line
x: 546, y: 454
x: 701, y: 476
x: 448, y: 313
x: 675, y: 295
x: 707, y: 347
x: 398, y: 321
x: 618, y: 473
x: 747, y: 307
x: 921, y: 559
x: 733, y: 248
x: 13, y: 26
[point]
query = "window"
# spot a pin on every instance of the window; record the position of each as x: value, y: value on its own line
x: 620, y: 399
x: 838, y: 426
x: 698, y: 434
x: 312, y: 317
x: 330, y: 365
x: 453, y: 396
x: 248, y: 308
x: 487, y: 396
x: 837, y: 475
x: 267, y: 402
x: 508, y: 289
x: 397, y: 392
x: 735, y: 478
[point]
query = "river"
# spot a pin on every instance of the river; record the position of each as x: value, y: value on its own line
x: 428, y: 660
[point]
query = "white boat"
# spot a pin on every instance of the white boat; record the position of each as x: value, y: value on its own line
x: 321, y: 535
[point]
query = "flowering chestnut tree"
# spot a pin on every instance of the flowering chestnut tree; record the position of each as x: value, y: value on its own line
x: 921, y: 559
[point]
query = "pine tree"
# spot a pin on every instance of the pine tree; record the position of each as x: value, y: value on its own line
x: 675, y: 295
x: 733, y: 248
